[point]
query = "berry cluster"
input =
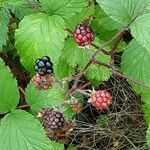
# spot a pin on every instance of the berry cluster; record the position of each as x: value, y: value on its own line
x: 101, y: 99
x: 43, y: 66
x: 83, y: 35
x: 52, y: 119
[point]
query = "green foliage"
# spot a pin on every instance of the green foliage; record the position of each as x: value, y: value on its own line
x: 38, y: 35
x: 66, y: 8
x: 146, y: 106
x: 38, y: 99
x: 78, y: 18
x: 20, y: 130
x: 141, y: 29
x: 9, y: 95
x: 4, y: 19
x: 104, y: 21
x: 103, y: 121
x: 71, y: 148
x: 148, y: 136
x: 97, y: 73
x: 20, y: 8
x: 42, y: 31
x: 135, y: 62
x: 63, y: 69
x: 124, y: 11
x: 74, y: 54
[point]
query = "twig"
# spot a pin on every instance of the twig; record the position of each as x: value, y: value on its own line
x: 23, y: 106
x: 101, y: 64
x: 22, y: 91
x: 83, y: 92
x: 114, y: 71
x: 130, y: 79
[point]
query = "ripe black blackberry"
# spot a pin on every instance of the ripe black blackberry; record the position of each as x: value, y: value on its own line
x: 52, y: 119
x: 43, y: 66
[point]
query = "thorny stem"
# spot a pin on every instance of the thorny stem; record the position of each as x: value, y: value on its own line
x: 117, y: 38
x: 93, y: 59
x: 115, y: 72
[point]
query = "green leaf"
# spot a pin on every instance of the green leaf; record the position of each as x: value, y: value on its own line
x: 21, y: 131
x: 145, y: 97
x: 78, y: 18
x: 38, y: 99
x: 71, y: 148
x: 102, y: 20
x: 20, y: 8
x: 140, y: 29
x: 9, y: 95
x: 135, y: 62
x: 39, y: 35
x: 73, y: 54
x: 98, y: 73
x: 4, y: 20
x: 64, y: 8
x: 148, y: 136
x: 124, y: 11
x: 68, y: 112
x: 63, y: 69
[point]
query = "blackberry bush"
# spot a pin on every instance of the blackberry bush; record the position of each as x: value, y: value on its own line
x: 46, y: 59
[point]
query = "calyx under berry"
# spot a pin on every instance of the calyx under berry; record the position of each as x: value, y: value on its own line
x: 83, y: 35
x: 43, y: 82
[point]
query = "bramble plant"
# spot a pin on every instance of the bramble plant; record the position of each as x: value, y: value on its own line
x: 53, y: 56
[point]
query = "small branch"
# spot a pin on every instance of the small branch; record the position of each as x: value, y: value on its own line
x: 92, y: 59
x: 119, y: 38
x: 100, y: 49
x: 82, y: 87
x: 112, y: 51
x: 69, y: 31
x: 83, y: 92
x: 114, y: 71
x: 17, y: 72
x: 22, y: 91
x: 79, y: 75
x: 130, y: 79
x: 102, y: 64
x: 23, y: 106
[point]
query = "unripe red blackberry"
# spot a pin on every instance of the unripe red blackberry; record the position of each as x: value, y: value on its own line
x: 83, y: 35
x: 101, y: 99
x: 52, y: 119
x: 43, y: 82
